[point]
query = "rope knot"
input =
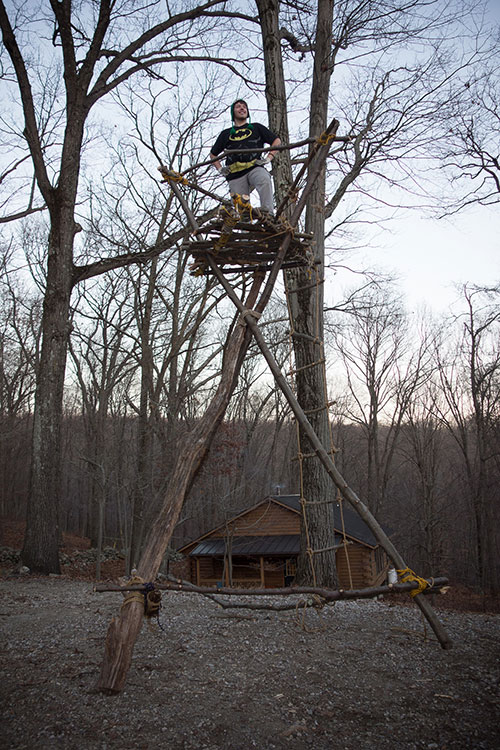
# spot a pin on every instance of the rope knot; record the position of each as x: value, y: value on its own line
x: 170, y: 175
x: 324, y: 139
x: 407, y: 576
x: 250, y: 314
x: 244, y: 207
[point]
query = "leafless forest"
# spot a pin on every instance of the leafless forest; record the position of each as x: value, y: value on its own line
x: 110, y: 350
x: 430, y: 468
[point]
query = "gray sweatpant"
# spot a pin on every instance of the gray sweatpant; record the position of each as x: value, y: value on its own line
x: 257, y: 179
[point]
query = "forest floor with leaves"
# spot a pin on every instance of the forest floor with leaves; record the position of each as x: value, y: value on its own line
x: 357, y: 675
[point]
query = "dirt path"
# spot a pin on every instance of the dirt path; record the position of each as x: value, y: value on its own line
x: 364, y: 678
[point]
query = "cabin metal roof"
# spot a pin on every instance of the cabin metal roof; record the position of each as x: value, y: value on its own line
x: 354, y: 525
x: 282, y: 544
x: 355, y: 529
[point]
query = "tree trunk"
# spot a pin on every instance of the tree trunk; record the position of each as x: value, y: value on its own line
x: 306, y: 306
x: 275, y: 92
x: 41, y: 543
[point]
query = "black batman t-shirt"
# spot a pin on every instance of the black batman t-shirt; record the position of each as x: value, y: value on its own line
x: 251, y: 138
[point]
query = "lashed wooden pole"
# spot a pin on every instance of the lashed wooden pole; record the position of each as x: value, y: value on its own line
x: 284, y: 147
x: 251, y: 320
x: 124, y: 629
x: 329, y: 595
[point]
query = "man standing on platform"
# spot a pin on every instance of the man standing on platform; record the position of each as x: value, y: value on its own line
x: 245, y: 171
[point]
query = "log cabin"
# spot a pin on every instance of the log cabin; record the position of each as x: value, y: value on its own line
x: 258, y: 548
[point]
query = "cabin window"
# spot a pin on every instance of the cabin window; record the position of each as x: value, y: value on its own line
x: 290, y: 567
x: 380, y: 559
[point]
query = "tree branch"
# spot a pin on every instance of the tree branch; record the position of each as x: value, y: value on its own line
x: 327, y: 595
x: 31, y: 129
x: 80, y: 273
x: 102, y: 85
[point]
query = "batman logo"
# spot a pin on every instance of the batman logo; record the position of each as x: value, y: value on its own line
x: 240, y: 135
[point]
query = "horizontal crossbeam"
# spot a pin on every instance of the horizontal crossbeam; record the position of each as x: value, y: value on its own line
x: 328, y: 595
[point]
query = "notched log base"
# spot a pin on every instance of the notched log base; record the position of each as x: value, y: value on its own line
x: 238, y: 244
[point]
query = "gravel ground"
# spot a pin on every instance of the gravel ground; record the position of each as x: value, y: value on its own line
x: 358, y: 675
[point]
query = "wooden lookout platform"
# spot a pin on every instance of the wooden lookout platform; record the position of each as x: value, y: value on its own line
x: 250, y: 242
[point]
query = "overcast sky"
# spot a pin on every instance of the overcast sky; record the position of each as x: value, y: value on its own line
x: 431, y: 256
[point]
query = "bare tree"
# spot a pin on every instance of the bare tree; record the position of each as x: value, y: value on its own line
x: 470, y: 383
x: 19, y: 347
x: 96, y: 58
x: 383, y: 370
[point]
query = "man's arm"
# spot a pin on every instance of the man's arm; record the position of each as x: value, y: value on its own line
x: 268, y: 156
x: 217, y: 148
x: 217, y: 164
x: 276, y: 142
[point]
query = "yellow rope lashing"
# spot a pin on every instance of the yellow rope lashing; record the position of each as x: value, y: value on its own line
x: 228, y: 223
x: 325, y: 138
x: 133, y: 596
x: 242, y: 205
x: 170, y: 175
x: 407, y: 576
x: 200, y: 271
x: 149, y: 597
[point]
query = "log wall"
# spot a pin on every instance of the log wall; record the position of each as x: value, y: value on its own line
x: 365, y: 570
x: 358, y: 562
x: 266, y: 520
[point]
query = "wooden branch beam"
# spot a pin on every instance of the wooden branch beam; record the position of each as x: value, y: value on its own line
x: 329, y: 595
x: 283, y: 147
x: 254, y: 267
x: 242, y: 244
x: 247, y: 239
x: 245, y: 228
x: 239, y: 258
x: 330, y: 132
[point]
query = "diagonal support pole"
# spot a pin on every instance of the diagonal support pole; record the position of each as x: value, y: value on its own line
x: 249, y: 317
x: 124, y: 629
